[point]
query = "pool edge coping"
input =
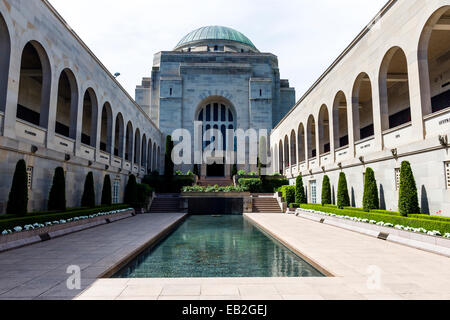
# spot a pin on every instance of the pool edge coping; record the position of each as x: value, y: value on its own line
x: 309, y: 260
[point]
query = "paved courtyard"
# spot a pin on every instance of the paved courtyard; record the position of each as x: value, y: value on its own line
x: 364, y: 268
x: 40, y: 271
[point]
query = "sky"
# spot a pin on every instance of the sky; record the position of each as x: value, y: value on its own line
x: 306, y: 35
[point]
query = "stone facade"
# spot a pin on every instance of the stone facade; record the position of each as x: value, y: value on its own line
x: 59, y: 106
x: 386, y: 99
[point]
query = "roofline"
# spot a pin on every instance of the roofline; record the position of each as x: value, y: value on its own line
x: 195, y: 42
x: 89, y: 51
x: 360, y: 36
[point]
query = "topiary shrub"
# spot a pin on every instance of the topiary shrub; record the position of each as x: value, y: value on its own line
x: 57, y: 197
x: 234, y: 171
x: 18, y: 196
x: 144, y: 192
x: 88, y: 199
x: 106, y: 192
x: 196, y: 170
x: 343, y: 198
x: 300, y: 196
x: 326, y: 191
x: 253, y: 185
x: 168, y: 163
x: 371, y: 201
x: 131, y: 191
x: 408, y: 201
x: 288, y: 193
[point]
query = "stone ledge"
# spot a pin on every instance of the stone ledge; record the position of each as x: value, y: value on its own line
x: 24, y: 238
x: 420, y: 241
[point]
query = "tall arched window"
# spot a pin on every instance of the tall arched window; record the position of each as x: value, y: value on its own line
x: 89, y: 120
x: 5, y: 53
x: 219, y: 116
x: 67, y: 105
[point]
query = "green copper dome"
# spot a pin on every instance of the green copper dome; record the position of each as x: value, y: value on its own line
x: 215, y: 33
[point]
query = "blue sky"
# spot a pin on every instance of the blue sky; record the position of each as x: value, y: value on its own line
x: 306, y: 35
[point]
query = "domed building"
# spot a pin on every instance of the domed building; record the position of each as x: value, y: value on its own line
x: 215, y: 75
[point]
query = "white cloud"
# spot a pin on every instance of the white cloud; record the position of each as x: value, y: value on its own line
x: 305, y: 35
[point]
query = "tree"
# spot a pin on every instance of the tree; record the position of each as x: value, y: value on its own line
x: 196, y: 170
x: 408, y: 201
x: 106, y: 192
x: 168, y: 163
x: 57, y: 197
x: 326, y: 191
x: 371, y: 200
x: 300, y: 197
x: 88, y: 199
x: 343, y: 198
x: 18, y: 196
x: 131, y: 191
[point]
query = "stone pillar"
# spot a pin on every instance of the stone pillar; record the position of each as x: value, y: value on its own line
x: 418, y: 98
x: 377, y: 114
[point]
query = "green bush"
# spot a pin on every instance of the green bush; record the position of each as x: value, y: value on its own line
x: 428, y: 217
x: 18, y: 196
x: 196, y: 170
x: 271, y: 184
x: 371, y: 201
x: 430, y: 225
x: 326, y: 190
x: 49, y: 217
x: 107, y: 191
x: 408, y: 201
x: 131, y: 190
x: 242, y: 173
x: 294, y: 205
x: 300, y: 196
x: 253, y: 185
x: 234, y: 171
x: 288, y: 193
x: 144, y: 191
x: 57, y: 197
x: 213, y: 189
x: 343, y: 198
x: 168, y: 163
x: 174, y: 184
x: 88, y: 199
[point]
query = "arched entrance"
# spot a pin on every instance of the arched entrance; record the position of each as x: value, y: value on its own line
x: 217, y: 116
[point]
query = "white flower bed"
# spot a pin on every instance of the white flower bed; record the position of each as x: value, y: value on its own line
x: 381, y: 223
x: 35, y: 226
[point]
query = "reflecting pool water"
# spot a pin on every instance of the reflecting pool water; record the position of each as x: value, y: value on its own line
x: 218, y: 246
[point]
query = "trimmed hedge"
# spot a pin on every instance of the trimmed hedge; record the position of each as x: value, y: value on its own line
x: 371, y: 200
x: 131, y: 191
x: 18, y: 196
x: 326, y: 190
x: 107, y: 191
x: 168, y: 163
x: 88, y: 199
x: 272, y: 183
x: 57, y: 196
x: 174, y: 184
x: 441, y: 226
x: 428, y: 217
x: 295, y: 205
x: 343, y: 198
x: 253, y: 185
x: 288, y: 193
x: 300, y: 196
x: 408, y: 202
x: 22, y: 221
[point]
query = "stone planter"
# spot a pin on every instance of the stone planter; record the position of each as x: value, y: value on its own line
x: 19, y: 239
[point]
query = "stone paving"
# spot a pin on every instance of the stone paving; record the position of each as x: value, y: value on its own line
x: 356, y: 261
x: 40, y: 271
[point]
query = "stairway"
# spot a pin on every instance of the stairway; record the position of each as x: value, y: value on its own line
x: 266, y: 205
x: 221, y: 182
x: 165, y: 204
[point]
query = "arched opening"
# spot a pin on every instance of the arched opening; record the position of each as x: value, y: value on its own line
x: 301, y: 143
x: 118, y: 136
x: 281, y: 157
x: 394, y: 90
x: 137, y: 146
x: 144, y: 151
x: 324, y: 130
x: 293, y: 148
x: 67, y: 105
x: 434, y: 62
x: 89, y: 120
x: 340, y: 121
x: 286, y: 152
x: 129, y: 142
x: 34, y: 85
x: 362, y: 108
x: 149, y: 156
x: 311, y: 137
x: 5, y: 55
x: 106, y: 129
